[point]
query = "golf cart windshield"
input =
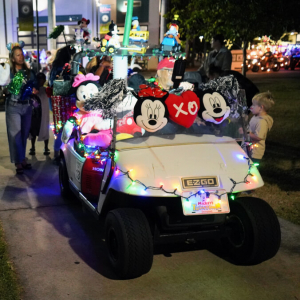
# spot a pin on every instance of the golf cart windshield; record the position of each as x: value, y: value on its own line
x: 129, y: 132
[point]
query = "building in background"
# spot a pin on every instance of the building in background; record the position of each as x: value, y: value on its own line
x: 68, y: 12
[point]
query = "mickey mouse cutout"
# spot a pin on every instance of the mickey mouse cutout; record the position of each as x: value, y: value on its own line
x: 215, y: 108
x: 150, y: 110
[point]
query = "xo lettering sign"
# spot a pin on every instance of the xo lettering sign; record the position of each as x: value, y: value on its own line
x: 196, y: 182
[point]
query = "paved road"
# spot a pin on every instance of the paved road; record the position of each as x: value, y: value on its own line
x: 59, y: 254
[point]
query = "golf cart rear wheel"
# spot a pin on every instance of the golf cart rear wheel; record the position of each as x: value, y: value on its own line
x: 64, y: 179
x: 129, y: 242
x: 252, y: 231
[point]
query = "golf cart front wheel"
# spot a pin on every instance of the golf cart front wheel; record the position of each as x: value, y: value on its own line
x: 252, y: 231
x: 255, y: 68
x: 103, y: 49
x: 129, y: 242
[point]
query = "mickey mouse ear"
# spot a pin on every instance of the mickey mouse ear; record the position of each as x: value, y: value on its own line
x: 8, y: 46
x: 22, y: 44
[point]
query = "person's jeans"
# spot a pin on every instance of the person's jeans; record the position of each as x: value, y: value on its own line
x: 18, y: 122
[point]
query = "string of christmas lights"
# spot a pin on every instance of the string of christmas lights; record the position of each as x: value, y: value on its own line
x: 97, y: 155
x: 174, y: 192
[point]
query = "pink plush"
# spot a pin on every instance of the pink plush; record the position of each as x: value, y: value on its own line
x: 89, y: 121
x: 100, y: 139
x: 82, y: 78
x: 183, y: 109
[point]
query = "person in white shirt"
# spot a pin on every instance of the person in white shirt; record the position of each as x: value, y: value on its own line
x: 260, y: 124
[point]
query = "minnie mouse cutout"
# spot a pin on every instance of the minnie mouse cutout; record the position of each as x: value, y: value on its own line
x: 83, y: 24
x: 150, y: 110
x: 91, y: 124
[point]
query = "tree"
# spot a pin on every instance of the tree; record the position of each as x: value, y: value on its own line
x: 190, y: 22
x: 245, y: 19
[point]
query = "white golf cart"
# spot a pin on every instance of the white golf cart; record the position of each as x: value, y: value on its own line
x: 172, y: 185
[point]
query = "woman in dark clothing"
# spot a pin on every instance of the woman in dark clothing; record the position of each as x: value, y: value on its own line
x: 18, y: 111
x: 63, y: 56
x: 103, y: 69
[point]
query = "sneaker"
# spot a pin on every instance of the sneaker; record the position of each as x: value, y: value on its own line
x: 46, y: 152
x: 32, y: 151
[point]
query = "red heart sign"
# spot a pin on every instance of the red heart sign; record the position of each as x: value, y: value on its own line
x: 183, y: 109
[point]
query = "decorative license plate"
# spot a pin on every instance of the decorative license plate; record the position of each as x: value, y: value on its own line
x: 205, y: 203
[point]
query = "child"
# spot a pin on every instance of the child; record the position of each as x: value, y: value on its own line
x: 260, y: 124
x: 40, y: 118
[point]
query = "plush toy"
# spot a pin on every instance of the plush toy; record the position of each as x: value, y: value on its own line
x: 135, y: 24
x: 150, y: 110
x: 83, y: 24
x: 93, y: 128
x: 164, y: 73
x: 173, y: 30
x: 79, y: 36
x: 214, y: 108
x: 183, y: 109
x: 4, y: 74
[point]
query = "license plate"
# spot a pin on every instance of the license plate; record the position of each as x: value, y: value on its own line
x: 206, y: 203
x: 198, y: 182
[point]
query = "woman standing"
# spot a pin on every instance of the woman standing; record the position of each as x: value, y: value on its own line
x: 18, y: 111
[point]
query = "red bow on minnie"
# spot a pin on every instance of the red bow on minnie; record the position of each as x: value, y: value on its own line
x: 147, y: 91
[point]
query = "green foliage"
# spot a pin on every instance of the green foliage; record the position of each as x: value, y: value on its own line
x: 56, y: 32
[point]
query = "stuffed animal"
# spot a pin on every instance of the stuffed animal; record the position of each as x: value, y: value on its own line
x: 135, y: 24
x: 173, y: 30
x: 183, y: 108
x: 214, y: 106
x: 93, y: 128
x: 150, y: 110
x: 83, y: 24
x: 79, y: 36
x: 164, y: 73
x: 4, y: 74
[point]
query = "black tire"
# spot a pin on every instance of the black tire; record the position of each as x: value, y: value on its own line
x: 253, y: 231
x: 64, y: 179
x: 129, y: 242
x: 255, y: 68
x: 286, y: 67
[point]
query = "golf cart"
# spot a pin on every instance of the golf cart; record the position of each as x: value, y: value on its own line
x: 176, y: 184
x: 268, y: 61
